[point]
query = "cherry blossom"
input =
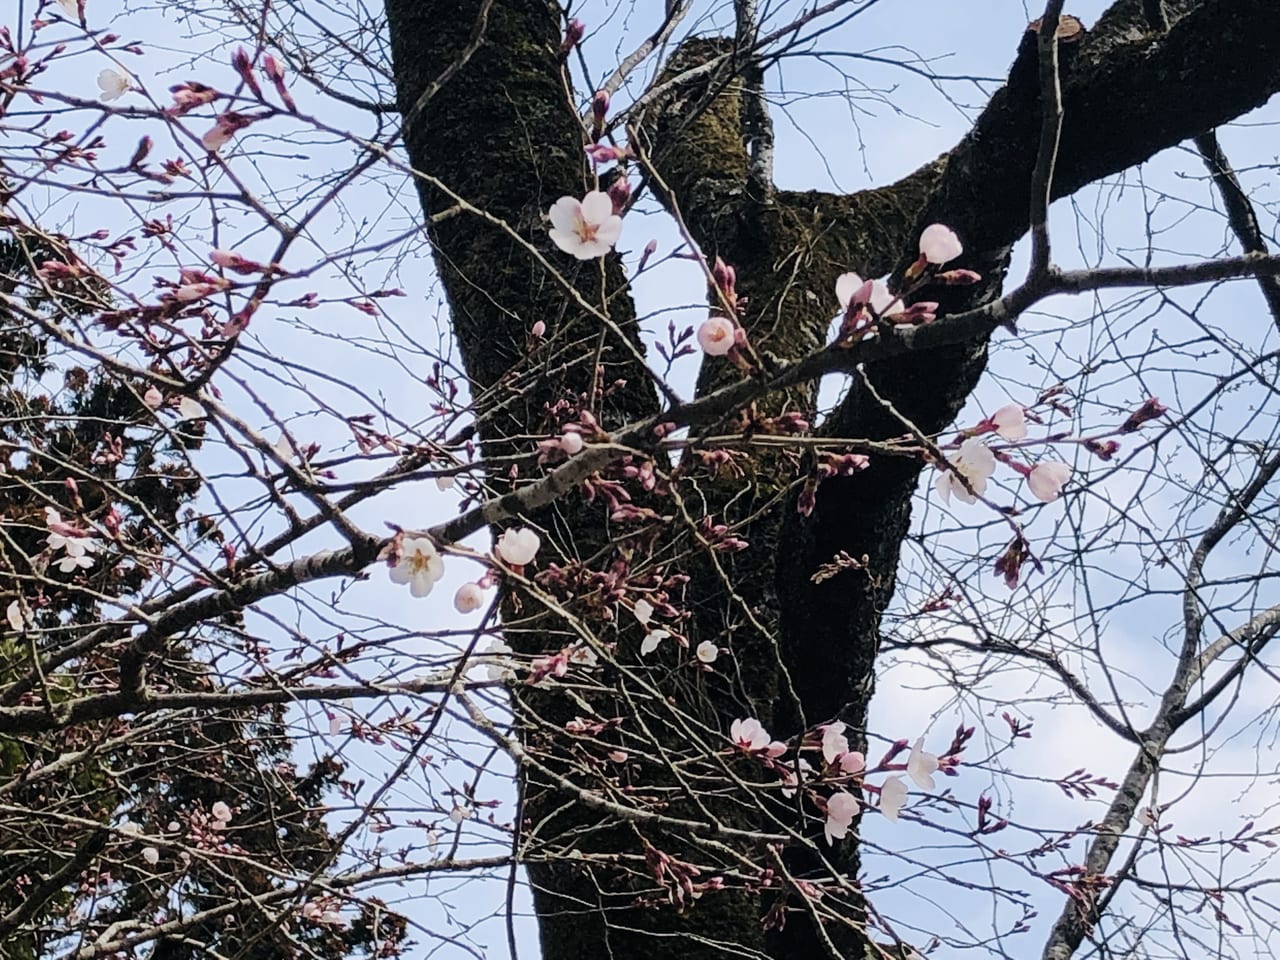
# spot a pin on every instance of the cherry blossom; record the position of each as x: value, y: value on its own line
x: 643, y: 610
x: 1010, y: 422
x: 651, y: 641
x: 70, y: 7
x: 518, y: 547
x: 153, y: 398
x: 66, y: 536
x: 852, y: 762
x: 583, y: 656
x: 69, y: 563
x: 716, y: 336
x: 852, y: 290
x: 13, y: 613
x: 748, y: 735
x: 586, y: 228
x: 151, y: 855
x: 975, y: 463
x: 1047, y: 479
x: 460, y: 813
x: 571, y: 444
x: 444, y: 483
x: 893, y: 796
x: 191, y: 409
x: 921, y: 766
x: 707, y: 651
x: 420, y: 565
x: 841, y: 809
x: 834, y: 742
x: 469, y: 598
x: 939, y: 244
x: 1146, y: 816
x: 498, y: 664
x: 113, y: 84
x: 220, y: 812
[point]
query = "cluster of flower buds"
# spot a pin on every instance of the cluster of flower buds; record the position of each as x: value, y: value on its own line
x: 678, y: 878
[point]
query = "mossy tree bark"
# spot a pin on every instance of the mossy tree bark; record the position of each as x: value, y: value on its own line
x: 503, y: 136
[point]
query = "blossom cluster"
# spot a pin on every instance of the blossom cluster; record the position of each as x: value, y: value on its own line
x: 966, y: 472
x: 841, y: 767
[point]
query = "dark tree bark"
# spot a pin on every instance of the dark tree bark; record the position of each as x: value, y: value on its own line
x: 502, y: 135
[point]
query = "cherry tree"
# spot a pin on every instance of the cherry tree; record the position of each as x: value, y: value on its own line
x: 771, y: 626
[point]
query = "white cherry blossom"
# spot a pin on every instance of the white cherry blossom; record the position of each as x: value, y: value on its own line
x: 497, y: 660
x: 518, y: 547
x: 834, y: 742
x: 851, y: 288
x: 1010, y: 422
x: 1047, y: 479
x: 586, y: 228
x: 841, y: 809
x: 939, y: 244
x: 707, y: 652
x: 469, y: 598
x: 420, y: 565
x: 921, y: 766
x: 14, y: 615
x: 113, y: 83
x: 893, y: 796
x: 748, y: 734
x: 652, y: 640
x: 976, y: 463
x: 583, y: 656
x: 220, y: 812
x: 71, y: 563
x: 65, y: 536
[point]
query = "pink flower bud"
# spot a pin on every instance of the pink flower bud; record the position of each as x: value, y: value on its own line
x: 275, y: 73
x: 957, y: 278
x: 599, y: 153
x: 1151, y: 409
x: 650, y: 249
x: 725, y: 276
x: 273, y: 68
x: 572, y: 35
x: 539, y: 329
x: 619, y: 193
x: 230, y: 260
x: 241, y: 63
x: 600, y: 106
